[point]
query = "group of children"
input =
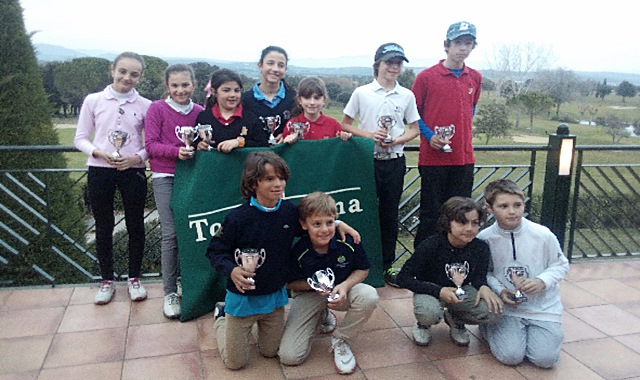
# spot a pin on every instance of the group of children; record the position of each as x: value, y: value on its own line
x: 456, y: 274
x: 269, y: 224
x: 234, y: 120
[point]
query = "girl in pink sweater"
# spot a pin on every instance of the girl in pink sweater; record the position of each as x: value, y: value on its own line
x: 164, y: 148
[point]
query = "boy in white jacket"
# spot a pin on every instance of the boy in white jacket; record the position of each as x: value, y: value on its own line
x: 527, y: 265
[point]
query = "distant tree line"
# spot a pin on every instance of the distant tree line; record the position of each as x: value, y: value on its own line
x: 517, y: 89
x: 68, y: 82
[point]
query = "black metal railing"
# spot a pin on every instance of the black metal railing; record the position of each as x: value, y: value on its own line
x: 603, y: 219
x: 605, y: 212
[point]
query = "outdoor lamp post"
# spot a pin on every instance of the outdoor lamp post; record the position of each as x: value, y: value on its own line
x: 557, y: 182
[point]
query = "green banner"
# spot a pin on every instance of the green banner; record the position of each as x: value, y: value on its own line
x: 208, y: 187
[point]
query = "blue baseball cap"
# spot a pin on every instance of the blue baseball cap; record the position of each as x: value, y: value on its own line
x: 461, y: 28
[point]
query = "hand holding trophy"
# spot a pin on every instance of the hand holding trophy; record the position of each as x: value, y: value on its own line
x: 205, y: 132
x: 445, y: 133
x: 323, y: 281
x: 187, y: 135
x: 457, y: 273
x: 271, y: 123
x: 118, y: 139
x: 516, y: 275
x: 387, y: 122
x: 300, y: 128
x: 250, y: 259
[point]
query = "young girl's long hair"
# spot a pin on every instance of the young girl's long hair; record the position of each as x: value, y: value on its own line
x: 307, y: 88
x: 217, y: 79
x: 280, y: 50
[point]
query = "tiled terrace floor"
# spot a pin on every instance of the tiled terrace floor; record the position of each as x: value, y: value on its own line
x: 57, y: 333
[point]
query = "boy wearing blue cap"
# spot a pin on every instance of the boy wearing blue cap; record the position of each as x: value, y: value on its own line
x: 382, y: 106
x: 446, y: 95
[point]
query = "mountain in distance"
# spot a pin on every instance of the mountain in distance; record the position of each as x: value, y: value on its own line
x: 340, y: 66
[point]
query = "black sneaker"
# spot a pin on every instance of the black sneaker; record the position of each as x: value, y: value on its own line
x: 218, y: 310
x: 391, y: 277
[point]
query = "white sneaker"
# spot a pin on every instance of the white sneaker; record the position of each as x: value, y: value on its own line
x: 137, y: 292
x: 329, y: 322
x: 179, y: 286
x: 105, y: 292
x: 457, y: 331
x: 342, y: 356
x: 171, y: 306
x: 421, y: 335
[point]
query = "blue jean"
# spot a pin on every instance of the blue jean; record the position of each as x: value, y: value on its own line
x: 132, y: 184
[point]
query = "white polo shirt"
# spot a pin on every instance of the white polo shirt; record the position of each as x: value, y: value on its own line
x: 369, y: 102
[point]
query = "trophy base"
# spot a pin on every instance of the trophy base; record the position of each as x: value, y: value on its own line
x: 461, y: 294
x: 252, y: 287
x: 446, y: 149
x: 116, y: 155
x: 387, y: 140
x: 273, y: 141
x: 519, y: 298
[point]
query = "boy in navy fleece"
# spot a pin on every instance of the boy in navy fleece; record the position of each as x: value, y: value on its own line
x: 267, y: 223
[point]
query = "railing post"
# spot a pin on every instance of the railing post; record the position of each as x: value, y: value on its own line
x: 557, y: 182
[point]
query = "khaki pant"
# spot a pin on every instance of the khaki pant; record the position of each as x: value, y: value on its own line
x: 233, y: 333
x: 306, y: 314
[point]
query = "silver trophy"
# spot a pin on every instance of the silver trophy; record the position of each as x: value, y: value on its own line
x: 387, y: 122
x: 118, y: 139
x: 205, y: 132
x: 457, y: 273
x: 272, y: 123
x: 516, y: 275
x: 300, y: 128
x: 322, y: 281
x: 187, y: 135
x: 446, y: 133
x: 250, y: 259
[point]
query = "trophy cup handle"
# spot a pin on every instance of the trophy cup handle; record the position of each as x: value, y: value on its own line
x: 261, y: 257
x: 311, y: 284
x: 331, y: 275
x: 237, y: 254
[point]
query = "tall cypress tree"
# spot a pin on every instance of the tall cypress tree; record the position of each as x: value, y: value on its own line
x: 25, y: 114
x: 36, y: 206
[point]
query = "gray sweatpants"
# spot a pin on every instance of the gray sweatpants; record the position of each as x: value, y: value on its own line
x: 429, y: 310
x: 162, y: 188
x: 512, y: 339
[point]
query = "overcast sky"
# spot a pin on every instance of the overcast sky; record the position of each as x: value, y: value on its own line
x: 582, y: 37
